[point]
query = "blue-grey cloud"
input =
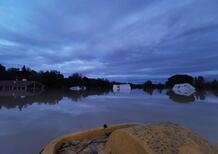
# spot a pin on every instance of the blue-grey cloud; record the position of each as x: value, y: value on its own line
x: 117, y: 39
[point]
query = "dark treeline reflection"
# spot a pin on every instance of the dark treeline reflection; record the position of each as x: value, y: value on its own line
x: 51, y: 97
x: 180, y: 98
x: 198, y: 95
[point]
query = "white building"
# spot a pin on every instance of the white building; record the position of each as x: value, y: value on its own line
x: 24, y: 80
x: 184, y: 89
x: 122, y: 88
x: 78, y: 88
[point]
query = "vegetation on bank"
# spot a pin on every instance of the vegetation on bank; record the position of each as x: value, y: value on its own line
x: 54, y: 79
x: 200, y: 83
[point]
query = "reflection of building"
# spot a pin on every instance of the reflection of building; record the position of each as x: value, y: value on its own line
x: 122, y: 88
x: 20, y: 88
x: 180, y: 98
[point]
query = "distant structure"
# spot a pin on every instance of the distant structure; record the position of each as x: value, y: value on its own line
x: 185, y: 89
x: 24, y: 80
x: 122, y: 88
x: 16, y: 87
x: 78, y: 88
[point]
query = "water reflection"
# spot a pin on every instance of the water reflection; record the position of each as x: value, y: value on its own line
x: 180, y: 98
x: 198, y: 95
x: 53, y: 113
x: 22, y: 99
x: 45, y: 97
x: 149, y: 91
x: 215, y: 93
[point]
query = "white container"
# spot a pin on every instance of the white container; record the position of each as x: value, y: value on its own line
x: 184, y: 89
x: 122, y: 88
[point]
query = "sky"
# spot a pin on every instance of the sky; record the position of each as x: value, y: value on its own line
x: 121, y: 40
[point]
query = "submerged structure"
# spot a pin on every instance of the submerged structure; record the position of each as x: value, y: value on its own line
x: 181, y: 98
x: 184, y: 89
x: 122, y: 88
x: 20, y: 88
x: 78, y: 88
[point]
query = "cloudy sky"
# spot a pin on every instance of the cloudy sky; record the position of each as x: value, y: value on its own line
x: 116, y: 39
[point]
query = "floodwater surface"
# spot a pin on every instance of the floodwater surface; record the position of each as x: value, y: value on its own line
x: 28, y: 123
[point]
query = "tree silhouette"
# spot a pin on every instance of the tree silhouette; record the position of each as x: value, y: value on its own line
x: 53, y: 78
x: 177, y: 79
x: 148, y: 85
x: 199, y: 82
x: 2, y: 68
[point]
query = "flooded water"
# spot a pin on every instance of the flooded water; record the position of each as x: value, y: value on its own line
x: 28, y: 123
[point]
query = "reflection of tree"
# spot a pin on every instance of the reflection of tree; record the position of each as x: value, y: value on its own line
x: 149, y: 91
x: 47, y: 97
x: 215, y: 92
x: 180, y: 98
x: 78, y: 95
x: 160, y: 91
x: 200, y: 95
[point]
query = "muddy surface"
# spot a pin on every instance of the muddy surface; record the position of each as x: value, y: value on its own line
x: 87, y: 146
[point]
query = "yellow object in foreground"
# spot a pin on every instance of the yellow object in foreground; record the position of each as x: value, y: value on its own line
x: 159, y: 138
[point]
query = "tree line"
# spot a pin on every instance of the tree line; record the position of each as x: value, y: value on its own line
x: 199, y: 82
x: 53, y: 78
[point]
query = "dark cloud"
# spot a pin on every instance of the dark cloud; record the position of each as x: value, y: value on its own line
x: 125, y: 40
